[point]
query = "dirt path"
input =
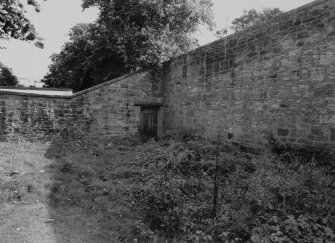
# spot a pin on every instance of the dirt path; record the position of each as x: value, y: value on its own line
x: 26, y: 223
x: 27, y: 215
x: 24, y: 212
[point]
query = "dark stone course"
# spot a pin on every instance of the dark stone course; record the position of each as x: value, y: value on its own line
x: 282, y: 132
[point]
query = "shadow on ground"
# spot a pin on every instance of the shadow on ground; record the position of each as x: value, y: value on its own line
x: 89, y: 196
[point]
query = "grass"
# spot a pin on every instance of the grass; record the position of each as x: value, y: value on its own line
x: 97, y: 183
x: 22, y: 172
x: 173, y: 190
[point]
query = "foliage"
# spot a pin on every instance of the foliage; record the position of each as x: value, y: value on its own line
x: 14, y: 24
x: 261, y: 199
x: 163, y: 27
x: 166, y: 190
x: 7, y: 78
x: 73, y: 66
x: 128, y: 36
x: 252, y: 17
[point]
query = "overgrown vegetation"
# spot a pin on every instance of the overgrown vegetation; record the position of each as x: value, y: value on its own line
x: 188, y: 190
x: 179, y: 189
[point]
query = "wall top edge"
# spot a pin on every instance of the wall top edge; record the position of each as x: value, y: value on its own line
x: 67, y: 97
x: 34, y: 95
x: 28, y: 88
x: 257, y: 26
x: 115, y: 80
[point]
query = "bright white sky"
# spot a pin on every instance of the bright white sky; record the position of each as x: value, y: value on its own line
x: 58, y: 16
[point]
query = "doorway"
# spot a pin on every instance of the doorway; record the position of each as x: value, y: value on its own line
x: 149, y: 121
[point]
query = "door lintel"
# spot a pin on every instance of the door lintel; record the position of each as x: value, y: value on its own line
x: 149, y: 104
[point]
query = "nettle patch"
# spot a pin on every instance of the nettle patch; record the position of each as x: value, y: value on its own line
x: 185, y: 189
x: 197, y: 192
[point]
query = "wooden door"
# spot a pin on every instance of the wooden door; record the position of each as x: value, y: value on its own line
x: 149, y: 121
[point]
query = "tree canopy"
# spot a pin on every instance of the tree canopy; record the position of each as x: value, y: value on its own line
x: 14, y: 24
x: 81, y: 60
x: 129, y: 35
x: 7, y: 78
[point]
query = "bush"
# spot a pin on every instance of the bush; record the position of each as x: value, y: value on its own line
x: 185, y: 189
x: 259, y: 199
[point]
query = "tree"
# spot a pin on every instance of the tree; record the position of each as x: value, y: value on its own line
x: 14, y: 24
x: 129, y: 35
x: 252, y: 17
x: 7, y: 78
x: 72, y: 67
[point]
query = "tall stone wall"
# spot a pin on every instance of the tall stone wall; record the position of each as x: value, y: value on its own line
x: 109, y: 109
x: 274, y: 80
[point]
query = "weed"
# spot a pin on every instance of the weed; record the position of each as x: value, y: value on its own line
x: 177, y: 193
x: 184, y: 188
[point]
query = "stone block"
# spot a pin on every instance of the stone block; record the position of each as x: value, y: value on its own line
x: 282, y: 132
x: 332, y: 134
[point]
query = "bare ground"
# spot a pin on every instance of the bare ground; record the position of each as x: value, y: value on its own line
x: 27, y: 214
x: 24, y: 213
x: 26, y: 223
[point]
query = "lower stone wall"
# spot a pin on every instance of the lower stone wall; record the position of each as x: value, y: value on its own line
x: 109, y: 109
x: 33, y: 117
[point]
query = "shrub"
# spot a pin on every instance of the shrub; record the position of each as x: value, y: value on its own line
x: 259, y: 199
x: 186, y: 189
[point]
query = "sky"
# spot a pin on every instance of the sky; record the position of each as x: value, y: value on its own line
x: 56, y: 18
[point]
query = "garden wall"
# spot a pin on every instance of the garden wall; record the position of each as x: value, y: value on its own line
x: 108, y: 109
x: 33, y: 117
x: 113, y: 108
x: 272, y: 81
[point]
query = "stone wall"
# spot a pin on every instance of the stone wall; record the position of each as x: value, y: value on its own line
x: 33, y: 117
x: 274, y: 80
x: 112, y: 108
x: 109, y: 109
